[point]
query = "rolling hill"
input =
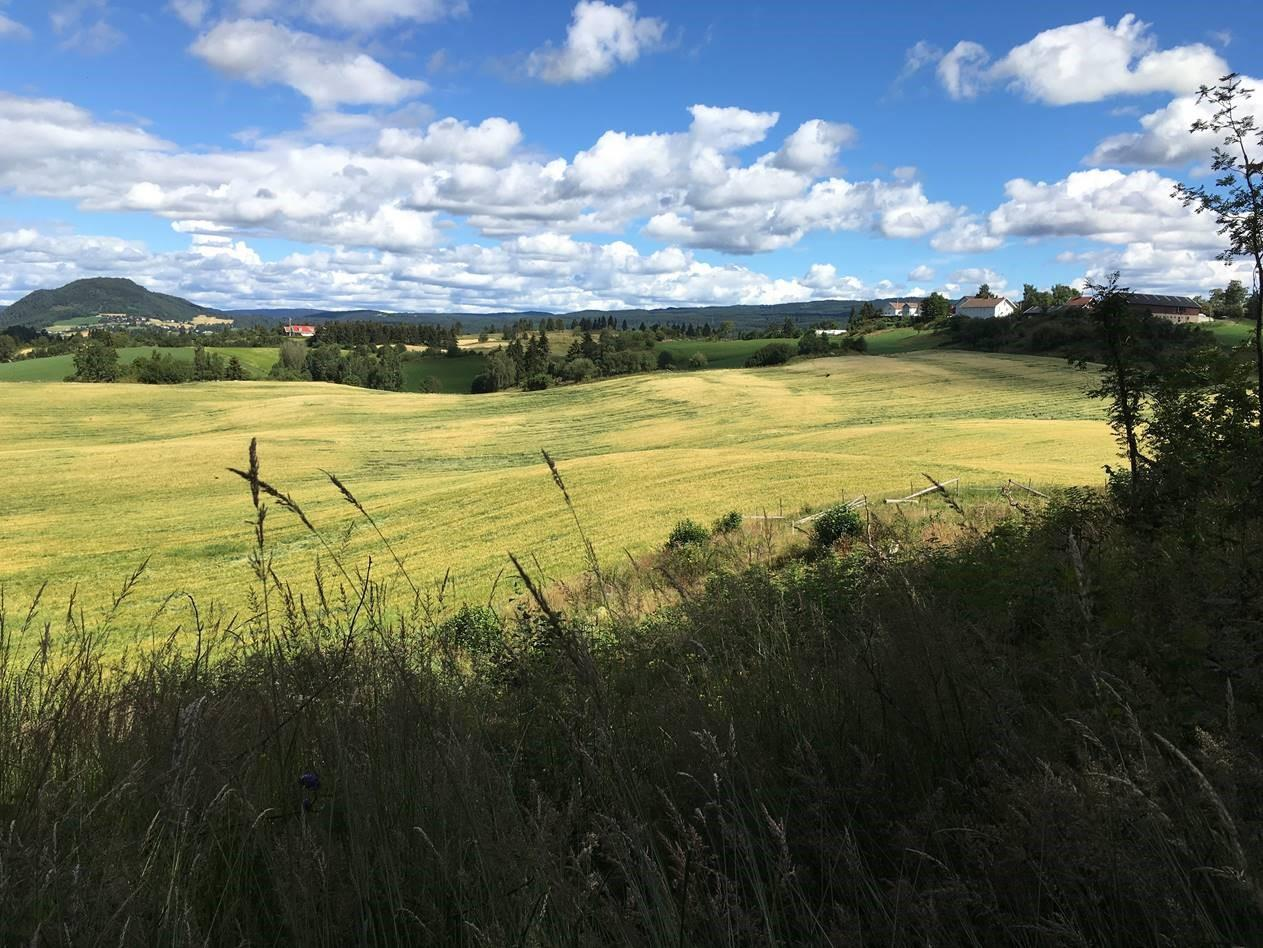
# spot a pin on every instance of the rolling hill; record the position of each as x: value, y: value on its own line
x: 97, y: 295
x: 99, y: 477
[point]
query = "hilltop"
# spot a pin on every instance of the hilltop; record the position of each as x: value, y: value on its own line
x: 97, y: 295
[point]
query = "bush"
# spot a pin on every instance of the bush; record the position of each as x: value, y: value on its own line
x: 728, y: 523
x: 281, y: 373
x: 774, y: 353
x: 161, y: 369
x: 538, y: 382
x: 698, y: 360
x: 687, y: 533
x: 834, y: 524
x: 580, y: 370
x: 614, y: 362
x: 665, y: 360
x: 471, y: 639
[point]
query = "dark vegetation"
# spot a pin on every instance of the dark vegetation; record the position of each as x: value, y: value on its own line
x: 364, y: 366
x: 163, y: 369
x: 1073, y: 336
x: 364, y: 333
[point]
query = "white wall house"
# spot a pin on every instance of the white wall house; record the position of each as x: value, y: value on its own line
x: 902, y: 309
x: 979, y: 308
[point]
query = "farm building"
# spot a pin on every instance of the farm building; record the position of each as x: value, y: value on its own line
x: 1174, y: 309
x: 1080, y: 305
x: 902, y: 309
x: 306, y: 332
x: 978, y: 307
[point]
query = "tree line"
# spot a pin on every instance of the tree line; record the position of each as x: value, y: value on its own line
x: 363, y: 366
x: 367, y: 333
x: 97, y: 360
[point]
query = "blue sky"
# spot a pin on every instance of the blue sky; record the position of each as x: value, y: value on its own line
x: 474, y: 155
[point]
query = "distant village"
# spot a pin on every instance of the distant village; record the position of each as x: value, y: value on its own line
x: 1173, y: 309
x: 202, y: 324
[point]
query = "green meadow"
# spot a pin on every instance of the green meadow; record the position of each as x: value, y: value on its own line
x: 454, y: 375
x: 1231, y: 332
x: 100, y: 477
x: 257, y: 362
x: 902, y: 339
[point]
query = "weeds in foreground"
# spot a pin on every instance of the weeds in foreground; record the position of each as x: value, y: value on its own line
x: 950, y: 728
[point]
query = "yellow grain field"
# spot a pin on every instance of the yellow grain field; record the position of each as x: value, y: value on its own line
x: 99, y: 477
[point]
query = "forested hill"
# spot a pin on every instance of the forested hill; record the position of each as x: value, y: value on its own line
x: 97, y: 295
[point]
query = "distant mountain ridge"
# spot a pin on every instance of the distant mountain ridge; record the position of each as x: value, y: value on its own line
x: 44, y: 308
x: 98, y: 295
x: 742, y: 316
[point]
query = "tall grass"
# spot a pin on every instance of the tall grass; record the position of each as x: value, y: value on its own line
x: 1017, y: 737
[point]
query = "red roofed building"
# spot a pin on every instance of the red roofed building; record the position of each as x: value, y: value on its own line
x: 295, y: 330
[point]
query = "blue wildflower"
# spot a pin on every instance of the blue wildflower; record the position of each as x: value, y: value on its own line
x: 310, y: 780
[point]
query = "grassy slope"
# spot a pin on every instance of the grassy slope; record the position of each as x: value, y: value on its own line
x: 55, y: 368
x: 98, y: 477
x: 903, y: 339
x: 1231, y: 332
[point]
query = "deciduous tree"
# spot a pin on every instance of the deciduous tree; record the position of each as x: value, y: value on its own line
x: 1236, y: 198
x: 96, y: 361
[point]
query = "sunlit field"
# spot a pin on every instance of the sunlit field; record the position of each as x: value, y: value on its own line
x: 99, y: 477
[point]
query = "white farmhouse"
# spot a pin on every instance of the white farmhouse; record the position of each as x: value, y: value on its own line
x: 903, y: 309
x: 989, y: 308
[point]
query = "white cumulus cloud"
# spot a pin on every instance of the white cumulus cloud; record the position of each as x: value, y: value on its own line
x: 388, y: 182
x: 815, y: 146
x: 328, y: 73
x: 1165, y: 137
x: 1083, y: 62
x: 1103, y: 204
x: 600, y: 38
x: 491, y: 142
x: 966, y: 234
